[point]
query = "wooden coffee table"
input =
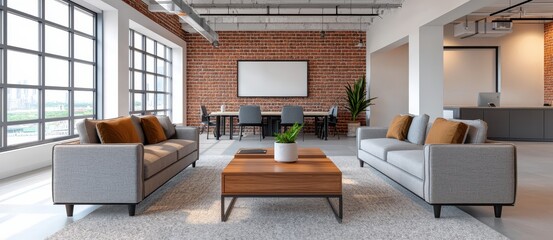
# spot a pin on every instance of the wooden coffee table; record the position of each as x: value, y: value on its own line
x: 259, y: 175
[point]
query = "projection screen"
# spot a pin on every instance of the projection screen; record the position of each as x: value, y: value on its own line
x: 272, y: 78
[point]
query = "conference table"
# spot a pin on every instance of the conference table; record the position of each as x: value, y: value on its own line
x: 231, y: 115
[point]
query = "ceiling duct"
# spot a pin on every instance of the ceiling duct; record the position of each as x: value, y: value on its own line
x: 481, y: 29
x: 187, y: 15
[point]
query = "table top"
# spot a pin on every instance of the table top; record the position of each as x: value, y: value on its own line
x: 306, y: 114
x: 302, y: 153
x: 315, y: 165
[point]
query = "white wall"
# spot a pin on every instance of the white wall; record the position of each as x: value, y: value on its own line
x: 521, y: 58
x: 420, y: 23
x: 468, y: 72
x: 390, y: 80
x: 118, y: 17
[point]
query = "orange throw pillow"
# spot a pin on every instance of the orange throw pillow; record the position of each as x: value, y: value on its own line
x: 120, y: 130
x: 447, y: 132
x: 153, y: 131
x: 399, y: 127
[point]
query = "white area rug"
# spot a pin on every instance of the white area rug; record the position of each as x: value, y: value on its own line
x: 188, y: 207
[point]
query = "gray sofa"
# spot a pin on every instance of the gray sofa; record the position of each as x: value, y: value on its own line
x: 474, y: 173
x: 93, y: 173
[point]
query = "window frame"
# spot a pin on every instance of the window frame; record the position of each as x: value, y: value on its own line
x: 167, y: 75
x: 41, y: 86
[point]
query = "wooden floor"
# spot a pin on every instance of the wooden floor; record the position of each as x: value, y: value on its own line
x: 26, y: 210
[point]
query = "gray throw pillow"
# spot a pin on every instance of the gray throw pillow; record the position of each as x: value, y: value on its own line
x: 417, y: 130
x: 477, y: 132
x: 167, y: 126
x: 136, y: 123
x: 87, y: 131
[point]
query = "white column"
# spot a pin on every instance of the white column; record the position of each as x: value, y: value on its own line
x: 426, y: 74
x: 116, y: 64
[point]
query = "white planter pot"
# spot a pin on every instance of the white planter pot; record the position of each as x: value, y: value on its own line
x: 286, y: 152
x: 352, y: 128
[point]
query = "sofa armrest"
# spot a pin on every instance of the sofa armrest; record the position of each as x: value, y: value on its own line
x: 370, y: 132
x: 188, y: 133
x: 470, y: 174
x: 97, y: 173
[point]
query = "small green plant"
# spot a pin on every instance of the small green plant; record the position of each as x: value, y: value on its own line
x: 290, y: 135
x: 357, y: 98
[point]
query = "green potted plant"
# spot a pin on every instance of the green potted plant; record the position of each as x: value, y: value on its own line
x: 286, y: 148
x: 357, y: 103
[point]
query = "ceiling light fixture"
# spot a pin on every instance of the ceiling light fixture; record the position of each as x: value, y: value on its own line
x: 360, y: 44
x: 322, y: 33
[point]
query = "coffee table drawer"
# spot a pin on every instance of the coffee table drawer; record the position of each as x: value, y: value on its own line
x: 303, y: 184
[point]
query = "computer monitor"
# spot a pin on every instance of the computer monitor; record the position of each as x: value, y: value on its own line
x: 488, y: 99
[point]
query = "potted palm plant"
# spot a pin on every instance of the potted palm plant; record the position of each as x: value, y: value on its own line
x: 286, y: 148
x: 357, y: 103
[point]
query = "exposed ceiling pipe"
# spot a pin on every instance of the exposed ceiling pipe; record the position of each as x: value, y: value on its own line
x: 511, y: 7
x: 291, y: 14
x: 187, y: 15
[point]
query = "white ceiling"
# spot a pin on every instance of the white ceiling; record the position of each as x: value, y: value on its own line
x: 236, y: 15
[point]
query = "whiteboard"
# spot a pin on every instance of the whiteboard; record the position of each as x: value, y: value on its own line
x: 468, y: 72
x: 272, y: 78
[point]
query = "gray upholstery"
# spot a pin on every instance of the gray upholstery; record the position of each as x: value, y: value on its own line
x: 410, y: 161
x: 119, y: 173
x: 291, y: 115
x: 92, y: 173
x: 136, y: 123
x: 470, y: 173
x: 379, y: 147
x: 167, y: 125
x: 477, y: 132
x: 183, y: 147
x: 445, y: 173
x: 370, y: 133
x: 249, y: 114
x: 87, y: 131
x: 157, y: 157
x: 417, y: 130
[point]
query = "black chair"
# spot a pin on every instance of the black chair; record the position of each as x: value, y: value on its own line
x: 206, y: 121
x: 332, y: 122
x: 250, y: 115
x: 291, y: 115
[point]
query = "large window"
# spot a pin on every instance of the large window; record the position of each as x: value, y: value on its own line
x: 150, y: 71
x: 47, y: 70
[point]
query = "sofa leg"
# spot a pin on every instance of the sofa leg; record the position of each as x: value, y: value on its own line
x: 361, y: 163
x: 437, y: 210
x: 194, y: 164
x: 132, y: 209
x: 69, y: 209
x: 497, y: 210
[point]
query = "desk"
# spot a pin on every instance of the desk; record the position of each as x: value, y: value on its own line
x: 232, y: 115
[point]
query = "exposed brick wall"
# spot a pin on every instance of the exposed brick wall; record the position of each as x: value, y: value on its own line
x: 168, y: 21
x: 548, y: 61
x: 212, y: 72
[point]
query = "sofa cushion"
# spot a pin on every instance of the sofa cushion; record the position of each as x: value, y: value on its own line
x: 138, y: 126
x: 87, y: 131
x: 152, y: 130
x: 167, y: 125
x: 478, y: 130
x: 417, y: 130
x: 157, y: 157
x: 379, y: 147
x: 410, y: 161
x: 120, y: 130
x: 447, y: 132
x: 399, y: 127
x: 184, y: 147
